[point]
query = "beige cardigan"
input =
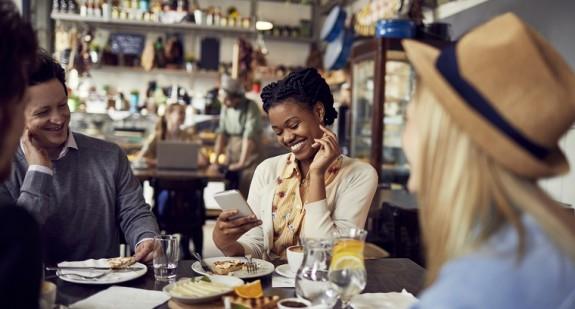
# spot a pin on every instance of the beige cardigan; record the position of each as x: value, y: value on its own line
x: 347, y: 203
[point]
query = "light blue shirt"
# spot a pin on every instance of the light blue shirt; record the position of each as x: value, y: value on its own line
x: 493, y: 278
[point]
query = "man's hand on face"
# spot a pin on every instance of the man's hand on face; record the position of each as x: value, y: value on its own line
x: 145, y: 251
x: 35, y: 155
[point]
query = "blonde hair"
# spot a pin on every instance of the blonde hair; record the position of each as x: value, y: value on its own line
x: 467, y: 197
x: 162, y: 124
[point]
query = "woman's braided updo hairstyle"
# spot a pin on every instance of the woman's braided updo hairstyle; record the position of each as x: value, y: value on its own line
x: 305, y: 87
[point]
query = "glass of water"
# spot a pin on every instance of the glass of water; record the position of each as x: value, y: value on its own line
x: 312, y: 282
x: 166, y: 254
x: 347, y: 268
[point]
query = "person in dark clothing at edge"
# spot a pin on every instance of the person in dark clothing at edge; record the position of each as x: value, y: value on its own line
x: 20, y: 252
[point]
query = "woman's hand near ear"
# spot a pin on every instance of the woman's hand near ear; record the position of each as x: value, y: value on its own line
x: 327, y: 153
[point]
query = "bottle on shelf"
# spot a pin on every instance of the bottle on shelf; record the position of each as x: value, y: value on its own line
x: 72, y: 7
x: 56, y: 5
x: 64, y: 6
x: 159, y: 53
x: 144, y: 5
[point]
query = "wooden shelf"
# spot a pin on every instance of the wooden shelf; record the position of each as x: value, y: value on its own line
x: 289, y: 39
x: 139, y: 70
x: 148, y: 26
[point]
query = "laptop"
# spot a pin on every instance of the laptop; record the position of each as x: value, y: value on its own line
x: 177, y: 155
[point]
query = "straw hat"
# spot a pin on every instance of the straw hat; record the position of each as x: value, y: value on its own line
x: 508, y: 89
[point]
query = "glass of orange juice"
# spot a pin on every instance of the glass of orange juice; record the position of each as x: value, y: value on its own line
x: 347, y: 268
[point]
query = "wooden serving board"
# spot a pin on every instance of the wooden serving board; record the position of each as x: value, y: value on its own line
x: 172, y: 304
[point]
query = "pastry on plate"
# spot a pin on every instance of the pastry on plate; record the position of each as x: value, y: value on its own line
x: 264, y: 302
x: 226, y: 267
x: 121, y: 262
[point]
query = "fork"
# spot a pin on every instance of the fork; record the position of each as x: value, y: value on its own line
x: 251, y: 266
x: 85, y: 277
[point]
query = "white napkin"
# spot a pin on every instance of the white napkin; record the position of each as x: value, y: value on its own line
x: 282, y: 282
x: 391, y: 300
x: 118, y: 297
x: 86, y: 263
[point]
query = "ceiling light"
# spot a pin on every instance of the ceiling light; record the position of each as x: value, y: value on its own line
x: 262, y: 25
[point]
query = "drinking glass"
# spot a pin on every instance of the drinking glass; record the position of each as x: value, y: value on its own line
x: 312, y: 282
x: 166, y: 254
x: 347, y: 269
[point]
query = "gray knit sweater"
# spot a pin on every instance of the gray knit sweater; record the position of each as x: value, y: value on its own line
x: 83, y: 209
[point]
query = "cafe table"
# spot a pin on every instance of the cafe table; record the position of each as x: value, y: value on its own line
x: 187, y: 213
x: 150, y: 173
x: 383, y: 275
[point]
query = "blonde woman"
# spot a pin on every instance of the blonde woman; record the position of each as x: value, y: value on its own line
x: 483, y: 127
x: 169, y: 128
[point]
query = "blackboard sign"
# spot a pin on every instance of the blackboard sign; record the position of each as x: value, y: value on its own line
x: 127, y: 43
x: 210, y: 54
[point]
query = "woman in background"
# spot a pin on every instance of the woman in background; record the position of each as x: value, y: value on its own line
x: 483, y: 127
x: 176, y: 206
x: 313, y: 190
x: 169, y: 128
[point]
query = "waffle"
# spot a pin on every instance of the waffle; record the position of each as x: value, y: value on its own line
x: 265, y: 302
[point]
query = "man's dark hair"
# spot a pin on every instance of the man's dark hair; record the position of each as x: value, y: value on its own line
x: 305, y: 87
x: 18, y: 47
x: 47, y: 68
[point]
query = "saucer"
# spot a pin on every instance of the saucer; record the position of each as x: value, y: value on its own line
x: 285, y: 271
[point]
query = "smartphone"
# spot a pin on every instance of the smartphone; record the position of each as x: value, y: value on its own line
x: 233, y: 199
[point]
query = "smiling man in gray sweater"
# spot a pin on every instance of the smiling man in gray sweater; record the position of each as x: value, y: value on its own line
x: 80, y: 189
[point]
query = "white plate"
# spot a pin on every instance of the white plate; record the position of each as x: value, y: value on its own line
x: 230, y: 281
x: 264, y: 267
x: 391, y: 300
x: 111, y: 277
x: 285, y: 271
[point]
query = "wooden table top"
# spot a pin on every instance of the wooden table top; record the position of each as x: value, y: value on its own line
x: 384, y: 275
x: 153, y: 173
x: 398, y: 198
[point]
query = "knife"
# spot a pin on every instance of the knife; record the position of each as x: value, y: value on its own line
x: 93, y: 268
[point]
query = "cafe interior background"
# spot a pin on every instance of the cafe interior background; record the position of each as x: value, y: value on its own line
x: 118, y: 90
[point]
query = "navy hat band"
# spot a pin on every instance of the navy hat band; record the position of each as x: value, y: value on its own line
x: 447, y: 65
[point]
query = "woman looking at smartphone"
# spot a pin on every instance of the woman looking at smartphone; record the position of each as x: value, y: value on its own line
x: 309, y: 192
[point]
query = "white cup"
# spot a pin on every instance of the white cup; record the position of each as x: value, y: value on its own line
x: 47, y: 295
x: 295, y: 257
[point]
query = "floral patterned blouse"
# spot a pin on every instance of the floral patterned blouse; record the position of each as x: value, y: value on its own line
x: 287, y: 208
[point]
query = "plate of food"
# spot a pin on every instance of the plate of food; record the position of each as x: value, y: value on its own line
x: 234, y: 266
x: 202, y: 289
x: 101, y: 271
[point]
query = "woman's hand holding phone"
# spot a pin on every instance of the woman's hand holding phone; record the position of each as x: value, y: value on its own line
x: 35, y: 155
x: 229, y: 228
x: 327, y: 153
